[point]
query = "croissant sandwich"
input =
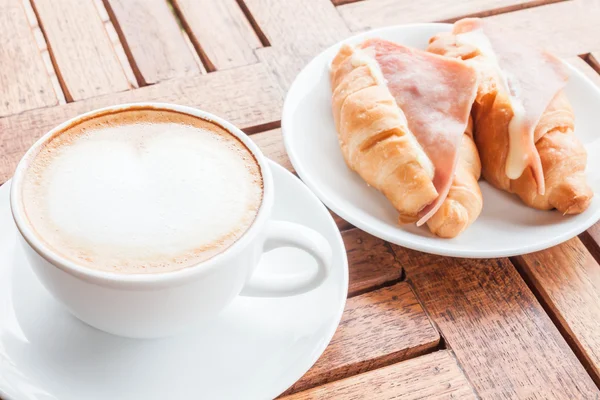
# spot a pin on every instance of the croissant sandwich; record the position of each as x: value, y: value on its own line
x: 523, y: 122
x: 402, y: 117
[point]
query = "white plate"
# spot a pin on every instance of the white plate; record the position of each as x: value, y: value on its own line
x: 256, y: 349
x: 506, y: 227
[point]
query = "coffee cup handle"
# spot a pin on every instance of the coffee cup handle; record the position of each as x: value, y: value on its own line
x: 289, y: 234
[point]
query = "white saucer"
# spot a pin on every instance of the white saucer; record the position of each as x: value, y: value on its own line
x: 506, y: 227
x: 256, y: 349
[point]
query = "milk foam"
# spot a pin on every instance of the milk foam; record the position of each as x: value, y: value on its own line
x: 142, y: 197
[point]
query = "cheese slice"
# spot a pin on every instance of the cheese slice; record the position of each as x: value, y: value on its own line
x: 436, y: 94
x: 530, y: 78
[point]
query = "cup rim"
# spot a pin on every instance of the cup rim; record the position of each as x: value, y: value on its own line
x: 151, y: 279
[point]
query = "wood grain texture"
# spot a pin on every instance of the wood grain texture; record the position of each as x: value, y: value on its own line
x: 586, y: 68
x: 83, y: 56
x: 117, y: 46
x: 364, y: 15
x: 220, y: 32
x: 24, y: 82
x: 43, y: 48
x: 547, y: 25
x: 432, y: 376
x: 153, y: 42
x: 246, y: 97
x: 371, y: 261
x: 271, y: 144
x: 505, y: 342
x: 592, y: 236
x: 377, y: 329
x: 341, y: 223
x: 567, y: 28
x: 567, y: 279
x: 297, y: 31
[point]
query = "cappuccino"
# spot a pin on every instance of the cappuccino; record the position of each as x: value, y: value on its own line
x: 141, y: 190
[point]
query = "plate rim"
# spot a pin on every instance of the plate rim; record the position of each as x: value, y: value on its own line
x: 404, y: 240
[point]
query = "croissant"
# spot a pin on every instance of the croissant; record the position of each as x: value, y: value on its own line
x: 543, y: 163
x: 464, y: 202
x: 379, y: 127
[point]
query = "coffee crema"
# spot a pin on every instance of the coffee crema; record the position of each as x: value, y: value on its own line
x: 142, y: 190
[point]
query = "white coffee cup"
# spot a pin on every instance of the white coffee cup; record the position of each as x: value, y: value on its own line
x: 155, y: 305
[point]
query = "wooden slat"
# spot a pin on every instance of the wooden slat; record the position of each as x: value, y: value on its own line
x: 372, y: 263
x: 83, y: 56
x: 113, y: 36
x: 271, y: 144
x: 433, y: 376
x: 297, y: 31
x: 377, y: 329
x: 548, y: 25
x: 246, y: 96
x: 590, y: 68
x: 567, y: 28
x: 152, y: 40
x: 567, y: 279
x: 364, y: 15
x: 43, y: 48
x: 584, y: 67
x: 220, y: 31
x: 594, y: 60
x: 505, y: 342
x: 341, y: 223
x: 593, y: 234
x: 24, y: 82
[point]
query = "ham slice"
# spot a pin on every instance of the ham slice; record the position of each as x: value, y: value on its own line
x: 436, y: 94
x: 531, y: 77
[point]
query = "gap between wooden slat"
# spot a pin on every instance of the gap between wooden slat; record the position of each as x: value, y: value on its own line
x: 123, y: 40
x: 118, y: 44
x: 206, y: 63
x: 487, y: 13
x: 186, y: 38
x: 591, y: 61
x: 503, y: 10
x: 556, y: 320
x: 372, y: 263
x: 489, y: 316
x: 588, y: 241
x: 391, y: 282
x: 255, y: 26
x: 127, y: 47
x: 342, y: 2
x: 190, y: 45
x: 591, y: 245
x: 442, y: 345
x: 379, y: 328
x: 61, y: 81
x: 42, y: 43
x: 262, y: 127
x: 437, y: 376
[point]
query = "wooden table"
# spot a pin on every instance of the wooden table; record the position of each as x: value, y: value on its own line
x: 415, y: 325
